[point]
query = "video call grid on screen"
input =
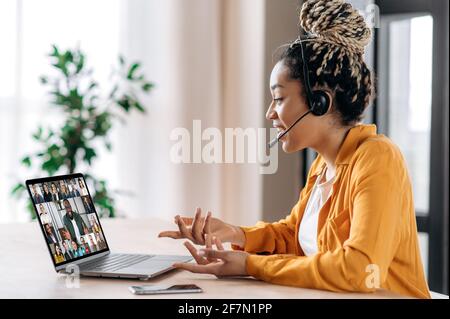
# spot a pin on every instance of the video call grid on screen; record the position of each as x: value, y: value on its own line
x: 68, y: 218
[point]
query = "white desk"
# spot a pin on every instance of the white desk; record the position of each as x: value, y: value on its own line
x: 26, y: 270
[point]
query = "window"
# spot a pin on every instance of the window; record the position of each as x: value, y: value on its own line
x: 28, y: 28
x: 412, y: 109
x: 408, y: 113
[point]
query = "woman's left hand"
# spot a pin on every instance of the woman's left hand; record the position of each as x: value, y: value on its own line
x: 218, y: 262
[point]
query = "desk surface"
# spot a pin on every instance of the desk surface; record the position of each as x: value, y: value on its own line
x: 26, y: 270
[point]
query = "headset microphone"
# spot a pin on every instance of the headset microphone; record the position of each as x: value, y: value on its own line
x: 318, y: 101
x: 281, y: 134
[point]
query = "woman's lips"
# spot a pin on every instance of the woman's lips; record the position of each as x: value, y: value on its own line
x: 280, y: 129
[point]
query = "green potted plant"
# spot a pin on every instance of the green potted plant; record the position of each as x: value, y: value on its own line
x: 89, y: 116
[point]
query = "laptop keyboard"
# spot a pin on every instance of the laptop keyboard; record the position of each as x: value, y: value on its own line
x: 115, y: 262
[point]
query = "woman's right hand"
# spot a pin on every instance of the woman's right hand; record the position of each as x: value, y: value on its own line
x: 196, y: 228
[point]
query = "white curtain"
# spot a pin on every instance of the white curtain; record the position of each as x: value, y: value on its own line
x: 206, y: 58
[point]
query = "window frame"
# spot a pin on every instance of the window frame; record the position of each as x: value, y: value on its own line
x: 435, y: 223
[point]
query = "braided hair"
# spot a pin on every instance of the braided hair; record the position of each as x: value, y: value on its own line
x: 336, y: 37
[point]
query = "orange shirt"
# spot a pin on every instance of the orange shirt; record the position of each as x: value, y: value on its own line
x: 367, y: 233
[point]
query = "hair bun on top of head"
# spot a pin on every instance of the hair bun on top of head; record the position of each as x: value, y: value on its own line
x: 335, y: 22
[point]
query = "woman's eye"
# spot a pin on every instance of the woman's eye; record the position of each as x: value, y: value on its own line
x: 278, y: 101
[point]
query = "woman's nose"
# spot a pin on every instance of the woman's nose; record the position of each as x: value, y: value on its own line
x: 271, y: 114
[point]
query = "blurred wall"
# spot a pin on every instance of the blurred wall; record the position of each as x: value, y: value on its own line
x: 281, y: 190
x: 207, y: 66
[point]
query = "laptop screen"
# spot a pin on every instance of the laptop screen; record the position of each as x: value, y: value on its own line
x: 68, y: 217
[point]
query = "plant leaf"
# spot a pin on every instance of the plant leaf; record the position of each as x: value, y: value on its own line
x: 147, y: 86
x: 37, y: 136
x: 92, y: 85
x: 80, y: 62
x: 124, y: 102
x: 121, y: 60
x: 55, y: 52
x: 89, y: 154
x: 26, y: 161
x: 18, y: 189
x: 138, y: 106
x: 114, y: 91
x: 132, y: 70
x: 43, y: 79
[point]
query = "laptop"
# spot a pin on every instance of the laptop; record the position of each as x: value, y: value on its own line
x: 74, y: 235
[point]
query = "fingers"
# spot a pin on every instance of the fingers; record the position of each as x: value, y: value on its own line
x: 207, y: 224
x: 171, y: 234
x: 196, y: 233
x: 218, y: 243
x: 208, y: 241
x: 211, y: 253
x: 208, y: 235
x: 197, y: 227
x: 199, y: 259
x: 185, y: 233
x: 187, y: 220
x: 208, y: 245
x: 199, y: 269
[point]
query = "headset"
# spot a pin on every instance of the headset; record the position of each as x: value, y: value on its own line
x: 318, y: 100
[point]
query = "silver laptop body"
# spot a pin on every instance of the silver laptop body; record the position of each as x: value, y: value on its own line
x: 117, y: 265
x: 58, y: 228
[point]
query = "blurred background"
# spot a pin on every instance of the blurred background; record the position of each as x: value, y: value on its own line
x: 210, y: 60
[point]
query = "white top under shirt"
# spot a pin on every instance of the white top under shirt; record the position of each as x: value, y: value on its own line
x: 307, y: 235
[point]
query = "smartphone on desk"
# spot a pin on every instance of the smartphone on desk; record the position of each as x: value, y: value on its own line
x: 164, y: 289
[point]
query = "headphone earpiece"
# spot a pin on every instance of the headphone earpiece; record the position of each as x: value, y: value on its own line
x: 320, y: 103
